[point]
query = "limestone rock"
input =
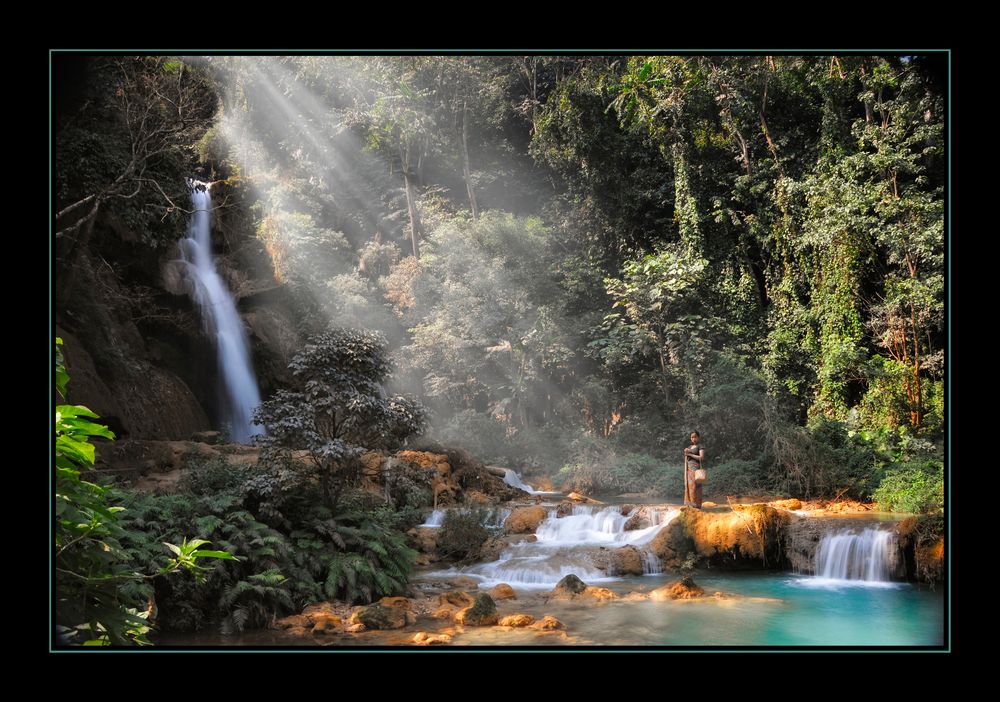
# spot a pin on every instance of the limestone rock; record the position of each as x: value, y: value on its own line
x: 517, y: 620
x: 381, y: 616
x: 684, y: 589
x: 524, y: 520
x: 548, y: 623
x: 503, y: 591
x: 422, y: 638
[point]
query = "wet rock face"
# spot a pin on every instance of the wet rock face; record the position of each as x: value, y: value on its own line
x: 921, y: 541
x: 146, y: 401
x: 636, y: 521
x: 626, y: 560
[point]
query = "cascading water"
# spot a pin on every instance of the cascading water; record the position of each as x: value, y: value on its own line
x: 222, y: 321
x: 514, y: 480
x: 651, y: 563
x: 866, y: 557
x: 435, y: 519
x: 493, y: 518
x: 562, y: 548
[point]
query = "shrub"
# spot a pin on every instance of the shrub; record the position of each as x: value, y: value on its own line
x: 462, y: 534
x: 916, y: 486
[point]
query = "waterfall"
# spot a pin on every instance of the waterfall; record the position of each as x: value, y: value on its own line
x: 563, y: 547
x: 222, y: 322
x: 514, y: 480
x: 866, y: 557
x: 651, y: 563
x: 435, y: 519
x: 494, y: 517
x: 589, y: 525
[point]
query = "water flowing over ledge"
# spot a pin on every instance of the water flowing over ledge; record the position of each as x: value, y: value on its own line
x: 221, y: 320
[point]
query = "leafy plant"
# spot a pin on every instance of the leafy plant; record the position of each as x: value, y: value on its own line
x: 98, y: 599
x: 463, y: 532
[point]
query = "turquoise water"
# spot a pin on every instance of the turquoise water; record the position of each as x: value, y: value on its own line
x: 781, y: 610
x: 771, y: 610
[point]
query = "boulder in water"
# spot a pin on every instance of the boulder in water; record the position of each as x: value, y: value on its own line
x: 422, y: 638
x: 548, y: 623
x: 517, y: 620
x: 684, y: 589
x: 564, y: 509
x: 483, y: 612
x: 456, y: 598
x: 503, y: 591
x: 326, y: 624
x: 598, y: 593
x: 569, y: 586
x: 382, y: 616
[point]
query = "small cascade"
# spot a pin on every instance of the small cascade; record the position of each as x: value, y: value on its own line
x: 435, y: 519
x: 563, y: 547
x: 514, y: 480
x: 494, y: 517
x: 651, y: 563
x: 595, y: 526
x: 497, y: 517
x: 869, y: 556
x: 221, y: 319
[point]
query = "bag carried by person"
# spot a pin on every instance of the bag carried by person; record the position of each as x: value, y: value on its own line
x: 700, y: 476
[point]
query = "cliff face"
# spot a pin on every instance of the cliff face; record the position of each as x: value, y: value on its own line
x: 135, y: 347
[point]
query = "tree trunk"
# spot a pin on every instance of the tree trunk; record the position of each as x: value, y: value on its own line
x: 411, y: 204
x: 917, y: 413
x: 465, y: 162
x: 663, y: 374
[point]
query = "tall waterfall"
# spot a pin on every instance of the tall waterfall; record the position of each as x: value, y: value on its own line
x: 866, y: 557
x: 222, y: 322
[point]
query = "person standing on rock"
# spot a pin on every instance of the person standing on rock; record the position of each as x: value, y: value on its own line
x: 694, y: 455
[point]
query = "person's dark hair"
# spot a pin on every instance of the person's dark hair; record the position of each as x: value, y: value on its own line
x: 698, y: 434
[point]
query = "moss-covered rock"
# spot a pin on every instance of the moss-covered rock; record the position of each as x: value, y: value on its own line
x: 483, y: 612
x: 569, y: 586
x: 380, y: 616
